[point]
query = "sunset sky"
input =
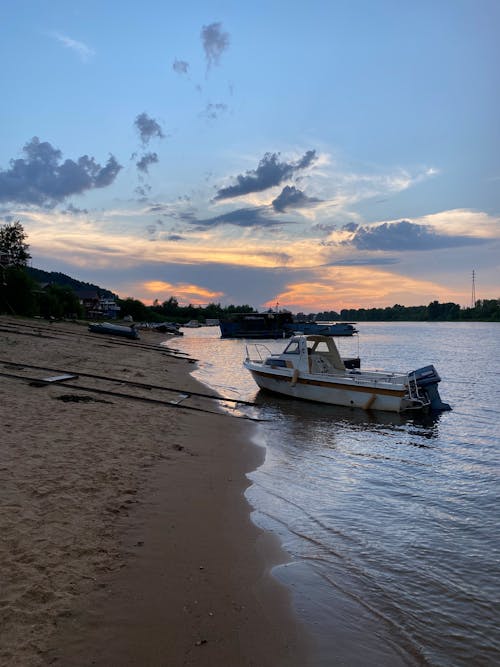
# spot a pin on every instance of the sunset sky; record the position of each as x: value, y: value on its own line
x: 321, y: 155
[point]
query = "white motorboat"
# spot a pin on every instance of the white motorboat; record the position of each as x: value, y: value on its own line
x: 311, y: 368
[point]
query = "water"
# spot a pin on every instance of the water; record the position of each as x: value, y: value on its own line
x: 390, y: 522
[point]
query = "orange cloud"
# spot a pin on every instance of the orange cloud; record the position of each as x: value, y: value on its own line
x: 358, y: 287
x: 182, y: 291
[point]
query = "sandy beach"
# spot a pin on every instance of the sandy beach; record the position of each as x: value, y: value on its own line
x: 125, y: 535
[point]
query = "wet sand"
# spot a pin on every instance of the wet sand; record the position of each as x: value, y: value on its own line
x: 126, y: 538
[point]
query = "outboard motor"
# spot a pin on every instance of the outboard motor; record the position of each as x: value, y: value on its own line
x: 427, y: 379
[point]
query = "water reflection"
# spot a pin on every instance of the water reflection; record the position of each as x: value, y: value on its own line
x: 294, y: 409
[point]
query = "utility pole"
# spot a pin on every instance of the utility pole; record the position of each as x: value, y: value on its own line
x: 473, y: 288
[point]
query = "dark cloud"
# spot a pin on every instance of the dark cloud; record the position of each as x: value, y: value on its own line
x: 146, y: 160
x: 405, y: 235
x: 243, y: 217
x: 326, y: 228
x: 143, y: 191
x: 292, y: 197
x: 174, y: 237
x: 269, y: 173
x: 180, y: 66
x: 75, y: 210
x: 213, y: 111
x: 148, y: 128
x: 350, y: 227
x: 365, y: 261
x: 169, y: 211
x: 215, y: 42
x: 44, y: 179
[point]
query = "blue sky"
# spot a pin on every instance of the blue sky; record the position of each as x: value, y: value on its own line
x: 320, y: 155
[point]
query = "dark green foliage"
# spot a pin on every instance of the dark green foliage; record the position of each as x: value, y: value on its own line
x: 135, y: 308
x: 17, y: 292
x: 487, y: 310
x: 12, y: 245
x: 171, y: 310
x: 57, y: 301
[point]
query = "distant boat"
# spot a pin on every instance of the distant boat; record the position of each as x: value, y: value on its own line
x: 257, y: 325
x: 113, y: 330
x: 323, y: 328
x: 311, y: 368
x: 192, y: 324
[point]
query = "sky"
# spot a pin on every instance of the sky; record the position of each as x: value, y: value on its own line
x: 319, y: 156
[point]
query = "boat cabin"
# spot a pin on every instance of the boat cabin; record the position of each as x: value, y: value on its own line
x: 310, y: 354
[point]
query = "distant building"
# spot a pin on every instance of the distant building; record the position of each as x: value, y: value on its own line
x: 96, y: 307
x: 110, y: 309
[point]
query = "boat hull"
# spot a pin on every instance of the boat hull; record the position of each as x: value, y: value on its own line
x: 331, y: 391
x: 315, y: 328
x: 114, y: 330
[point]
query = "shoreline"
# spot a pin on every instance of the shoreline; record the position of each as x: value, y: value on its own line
x: 128, y: 539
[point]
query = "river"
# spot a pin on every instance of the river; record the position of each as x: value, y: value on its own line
x: 390, y: 522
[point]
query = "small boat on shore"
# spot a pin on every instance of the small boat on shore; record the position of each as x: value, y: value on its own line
x: 311, y: 368
x: 114, y: 330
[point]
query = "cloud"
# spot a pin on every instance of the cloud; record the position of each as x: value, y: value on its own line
x: 215, y: 42
x: 269, y: 173
x: 243, y: 217
x: 365, y: 261
x: 180, y: 66
x: 182, y: 291
x: 146, y: 160
x: 291, y: 197
x: 143, y: 191
x: 404, y: 235
x: 148, y: 128
x: 42, y: 178
x: 75, y: 210
x: 357, y: 286
x: 324, y: 227
x: 84, y: 52
x: 213, y: 111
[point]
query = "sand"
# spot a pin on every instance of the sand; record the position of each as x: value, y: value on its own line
x: 125, y: 535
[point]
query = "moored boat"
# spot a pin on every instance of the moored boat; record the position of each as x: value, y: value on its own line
x: 257, y: 325
x: 311, y: 368
x: 323, y: 328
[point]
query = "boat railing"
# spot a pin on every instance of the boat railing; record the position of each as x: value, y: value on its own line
x: 257, y: 352
x: 413, y: 388
x: 371, y: 377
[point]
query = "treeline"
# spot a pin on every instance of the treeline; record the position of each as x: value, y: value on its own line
x: 21, y: 295
x: 485, y: 310
x: 172, y: 311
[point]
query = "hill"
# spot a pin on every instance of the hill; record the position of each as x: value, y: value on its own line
x: 66, y: 281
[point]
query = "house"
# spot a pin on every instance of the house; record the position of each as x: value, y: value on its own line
x: 110, y: 309
x: 97, y: 307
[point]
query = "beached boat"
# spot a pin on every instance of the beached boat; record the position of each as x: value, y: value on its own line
x: 323, y: 328
x: 114, y: 330
x: 311, y: 368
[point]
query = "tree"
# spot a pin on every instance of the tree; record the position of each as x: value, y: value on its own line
x: 13, y: 249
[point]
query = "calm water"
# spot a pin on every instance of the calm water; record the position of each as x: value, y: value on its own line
x: 391, y: 523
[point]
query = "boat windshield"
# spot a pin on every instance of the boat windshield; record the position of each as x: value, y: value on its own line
x: 317, y: 346
x: 292, y: 347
